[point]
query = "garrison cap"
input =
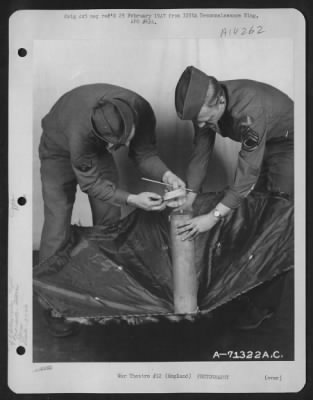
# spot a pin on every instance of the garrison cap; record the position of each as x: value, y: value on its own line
x: 193, y: 89
x: 112, y: 120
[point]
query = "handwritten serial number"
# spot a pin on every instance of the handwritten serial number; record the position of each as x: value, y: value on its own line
x: 242, y: 31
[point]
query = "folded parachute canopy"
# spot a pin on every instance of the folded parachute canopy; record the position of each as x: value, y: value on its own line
x: 125, y: 270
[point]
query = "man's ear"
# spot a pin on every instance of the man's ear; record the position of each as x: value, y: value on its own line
x: 222, y: 99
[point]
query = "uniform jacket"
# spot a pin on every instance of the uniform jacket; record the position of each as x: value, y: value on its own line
x: 68, y: 133
x: 256, y: 114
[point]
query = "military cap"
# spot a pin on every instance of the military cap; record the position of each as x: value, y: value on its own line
x: 112, y: 120
x: 193, y: 89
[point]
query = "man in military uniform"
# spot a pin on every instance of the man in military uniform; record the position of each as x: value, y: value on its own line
x: 255, y: 114
x: 79, y: 135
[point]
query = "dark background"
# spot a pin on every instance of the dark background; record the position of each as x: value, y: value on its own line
x: 7, y: 8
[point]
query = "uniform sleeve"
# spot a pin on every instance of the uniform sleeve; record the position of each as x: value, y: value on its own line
x: 85, y: 163
x: 143, y: 147
x: 204, y: 140
x: 250, y: 158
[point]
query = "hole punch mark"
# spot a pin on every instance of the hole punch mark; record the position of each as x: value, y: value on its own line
x: 20, y: 350
x: 22, y: 52
x: 21, y: 201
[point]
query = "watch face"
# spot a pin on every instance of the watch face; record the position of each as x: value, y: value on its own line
x: 217, y: 214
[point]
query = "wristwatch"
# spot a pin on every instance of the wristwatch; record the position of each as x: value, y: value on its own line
x: 217, y: 214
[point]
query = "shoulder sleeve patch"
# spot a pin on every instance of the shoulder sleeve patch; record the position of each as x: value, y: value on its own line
x: 249, y: 138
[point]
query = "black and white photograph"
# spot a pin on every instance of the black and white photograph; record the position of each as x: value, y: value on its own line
x: 160, y: 215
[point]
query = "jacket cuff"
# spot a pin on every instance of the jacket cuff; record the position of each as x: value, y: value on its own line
x: 120, y: 197
x: 195, y: 187
x: 157, y: 170
x: 152, y: 167
x: 161, y: 172
x: 232, y: 199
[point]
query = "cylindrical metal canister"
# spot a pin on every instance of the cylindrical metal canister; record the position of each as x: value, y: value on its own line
x: 185, y: 284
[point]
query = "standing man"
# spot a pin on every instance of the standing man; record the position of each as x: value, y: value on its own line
x: 261, y: 118
x: 255, y: 114
x: 79, y: 135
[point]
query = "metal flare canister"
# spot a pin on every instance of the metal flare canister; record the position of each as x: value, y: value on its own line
x: 185, y: 283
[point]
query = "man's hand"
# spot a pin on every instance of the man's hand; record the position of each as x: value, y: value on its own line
x: 147, y: 201
x: 190, y: 229
x: 173, y: 181
x: 187, y: 205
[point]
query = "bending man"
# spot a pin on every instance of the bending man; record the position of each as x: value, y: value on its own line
x: 261, y: 118
x: 79, y: 135
x: 257, y: 115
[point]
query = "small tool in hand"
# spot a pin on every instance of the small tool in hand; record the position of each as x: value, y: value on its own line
x: 165, y: 184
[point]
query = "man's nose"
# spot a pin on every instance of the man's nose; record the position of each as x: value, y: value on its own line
x: 201, y: 124
x: 208, y: 124
x: 204, y: 121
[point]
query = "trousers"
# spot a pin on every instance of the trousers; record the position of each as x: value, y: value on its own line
x: 277, y: 176
x: 59, y: 185
x: 277, y: 172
